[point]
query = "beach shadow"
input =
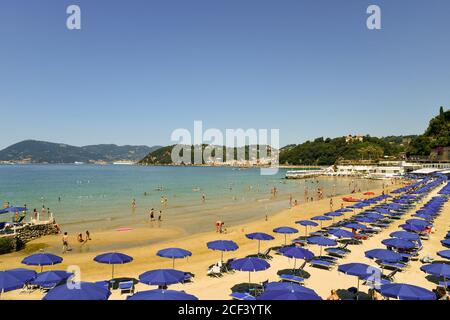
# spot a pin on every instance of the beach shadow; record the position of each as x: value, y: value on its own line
x: 295, y: 272
x: 261, y: 256
x: 245, y: 286
x: 350, y: 294
x: 433, y: 279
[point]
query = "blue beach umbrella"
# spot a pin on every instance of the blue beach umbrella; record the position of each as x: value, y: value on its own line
x: 361, y: 271
x: 290, y: 286
x: 9, y: 282
x: 333, y: 214
x: 446, y: 243
x: 162, y: 277
x: 405, y: 235
x: 373, y: 215
x: 260, y: 236
x: 341, y: 233
x: 344, y: 210
x: 51, y: 278
x: 250, y: 265
x: 113, y: 258
x: 222, y: 245
x: 13, y: 209
x: 174, y: 253
x: 383, y: 255
x: 364, y: 219
x: 444, y: 254
x: 160, y: 294
x: 406, y: 292
x: 322, y: 242
x: 42, y: 259
x: 25, y: 275
x: 419, y: 222
x: 296, y: 253
x: 306, y: 224
x: 437, y: 269
x: 321, y: 219
x: 356, y: 226
x: 412, y: 227
x: 78, y: 291
x: 285, y: 231
x: 398, y: 243
x: 287, y: 295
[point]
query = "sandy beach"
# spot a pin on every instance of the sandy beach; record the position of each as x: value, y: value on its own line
x: 143, y: 243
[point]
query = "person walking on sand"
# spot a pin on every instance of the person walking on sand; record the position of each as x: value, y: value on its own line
x: 88, y: 235
x: 290, y: 200
x: 65, y: 241
x: 331, y: 204
x: 152, y: 215
x: 160, y: 216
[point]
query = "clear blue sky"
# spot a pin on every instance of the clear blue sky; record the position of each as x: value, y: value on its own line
x: 139, y: 69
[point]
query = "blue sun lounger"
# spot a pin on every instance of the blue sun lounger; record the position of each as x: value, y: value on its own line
x: 320, y: 263
x: 292, y: 278
x: 242, y: 296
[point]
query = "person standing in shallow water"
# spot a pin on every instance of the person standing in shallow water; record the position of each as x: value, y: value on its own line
x: 133, y: 204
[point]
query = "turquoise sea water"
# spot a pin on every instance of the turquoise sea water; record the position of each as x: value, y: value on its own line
x: 99, y: 197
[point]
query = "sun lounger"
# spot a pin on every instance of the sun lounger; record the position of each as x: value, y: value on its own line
x: 323, y: 264
x: 392, y: 265
x: 242, y: 296
x: 214, y: 272
x: 126, y: 287
x: 337, y: 252
x: 330, y: 259
x: 292, y: 278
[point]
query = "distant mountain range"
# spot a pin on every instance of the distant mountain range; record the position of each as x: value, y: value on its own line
x: 33, y: 151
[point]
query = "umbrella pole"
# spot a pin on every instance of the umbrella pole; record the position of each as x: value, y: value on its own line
x: 112, y: 271
x: 295, y: 262
x: 221, y: 258
x: 285, y: 237
x: 306, y: 231
x: 173, y: 263
x: 259, y: 246
x: 320, y: 251
x: 357, y: 290
x: 42, y: 268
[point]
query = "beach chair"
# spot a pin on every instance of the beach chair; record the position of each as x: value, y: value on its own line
x: 330, y: 259
x: 322, y: 264
x: 397, y: 266
x: 337, y: 252
x: 292, y: 278
x: 126, y: 287
x: 245, y: 296
x: 214, y: 272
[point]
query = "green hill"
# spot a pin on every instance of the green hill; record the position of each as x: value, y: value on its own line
x: 47, y: 152
x: 436, y: 135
